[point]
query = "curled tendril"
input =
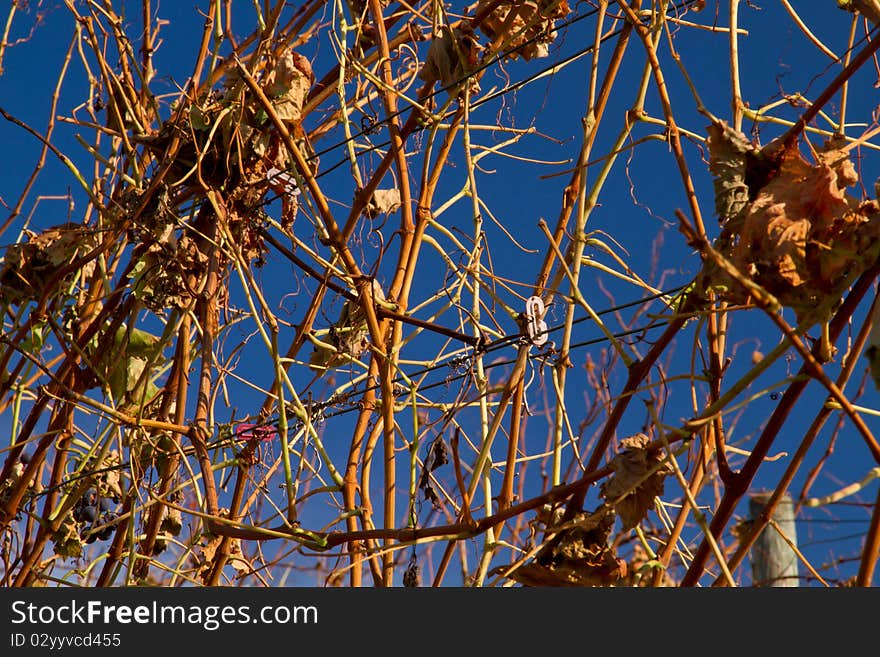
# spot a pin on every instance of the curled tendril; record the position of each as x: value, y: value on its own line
x: 460, y: 364
x: 370, y: 125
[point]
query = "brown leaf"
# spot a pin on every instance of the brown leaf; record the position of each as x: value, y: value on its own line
x: 528, y: 28
x: 109, y: 482
x: 288, y: 85
x: 451, y: 57
x: 727, y: 162
x: 349, y: 335
x: 27, y: 266
x: 636, y: 481
x: 431, y: 495
x: 579, y: 555
x: 12, y: 479
x: 205, y: 552
x: 802, y: 237
x: 411, y: 574
x: 437, y: 456
x: 383, y: 201
x: 204, y: 555
x: 172, y: 522
x: 236, y: 558
x: 640, y: 570
x: 66, y: 541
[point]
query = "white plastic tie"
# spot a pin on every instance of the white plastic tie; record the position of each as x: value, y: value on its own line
x: 284, y: 180
x: 536, y: 327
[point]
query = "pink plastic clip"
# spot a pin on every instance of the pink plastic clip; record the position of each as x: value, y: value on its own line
x: 255, y: 432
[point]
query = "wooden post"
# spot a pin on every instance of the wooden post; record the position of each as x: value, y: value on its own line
x: 774, y: 562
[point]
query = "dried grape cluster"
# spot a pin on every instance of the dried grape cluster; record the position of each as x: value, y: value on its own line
x: 95, y: 515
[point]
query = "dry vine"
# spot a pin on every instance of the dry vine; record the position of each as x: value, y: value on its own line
x: 293, y: 339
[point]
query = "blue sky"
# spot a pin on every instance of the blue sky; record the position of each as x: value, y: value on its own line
x: 635, y: 214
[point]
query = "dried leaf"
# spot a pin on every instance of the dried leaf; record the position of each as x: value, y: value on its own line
x: 579, y: 555
x: 349, y: 335
x: 636, y: 480
x: 528, y: 27
x: 159, y: 276
x: 431, y: 495
x: 172, y: 522
x: 870, y: 9
x: 109, y: 482
x: 383, y: 201
x: 203, y: 555
x: 204, y: 552
x: 66, y: 542
x: 438, y: 455
x: 288, y: 85
x: 14, y: 475
x: 641, y: 568
x: 727, y: 162
x: 28, y: 266
x: 288, y: 110
x: 451, y: 57
x: 236, y: 558
x: 261, y: 143
x: 411, y: 574
x: 801, y: 237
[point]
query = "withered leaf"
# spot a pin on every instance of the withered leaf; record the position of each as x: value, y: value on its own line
x: 437, y: 456
x: 411, y: 575
x: 203, y: 554
x: 348, y: 336
x: 28, y: 265
x: 801, y: 237
x: 727, y: 162
x: 237, y: 559
x: 431, y: 495
x: 579, y: 555
x: 383, y: 201
x: 637, y: 480
x: 641, y: 568
x: 159, y: 276
x: 205, y: 551
x: 12, y: 479
x: 107, y: 477
x: 66, y: 542
x: 172, y: 521
x: 528, y: 27
x: 451, y: 57
x: 288, y: 85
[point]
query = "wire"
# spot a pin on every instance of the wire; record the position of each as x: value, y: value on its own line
x: 462, y: 365
x: 376, y: 124
x: 476, y: 71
